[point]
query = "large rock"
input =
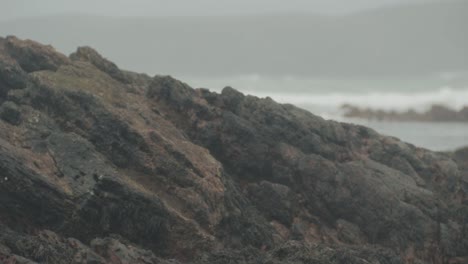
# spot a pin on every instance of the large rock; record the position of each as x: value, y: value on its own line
x: 12, y: 76
x: 107, y: 166
x: 92, y: 56
x: 10, y: 113
x: 389, y: 192
x: 32, y: 56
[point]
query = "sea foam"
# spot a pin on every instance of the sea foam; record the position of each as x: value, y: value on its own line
x: 326, y: 96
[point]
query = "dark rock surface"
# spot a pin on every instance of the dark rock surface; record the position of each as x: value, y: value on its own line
x: 32, y: 56
x: 437, y: 113
x: 108, y: 166
x: 10, y: 113
x: 90, y: 55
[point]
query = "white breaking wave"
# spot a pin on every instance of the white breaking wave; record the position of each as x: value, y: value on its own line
x: 398, y: 101
x: 326, y: 96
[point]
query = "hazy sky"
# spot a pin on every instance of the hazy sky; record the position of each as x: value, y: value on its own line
x: 11, y: 9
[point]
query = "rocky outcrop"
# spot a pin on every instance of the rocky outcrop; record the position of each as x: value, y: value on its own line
x: 100, y: 165
x: 90, y: 55
x: 32, y: 56
x: 437, y: 113
x: 461, y: 156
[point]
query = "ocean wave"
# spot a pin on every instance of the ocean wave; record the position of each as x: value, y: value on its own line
x: 397, y: 101
x: 326, y: 96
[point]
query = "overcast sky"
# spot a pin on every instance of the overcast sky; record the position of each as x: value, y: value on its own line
x: 11, y: 9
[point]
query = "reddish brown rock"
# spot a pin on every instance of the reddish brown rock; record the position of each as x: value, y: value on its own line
x: 136, y: 170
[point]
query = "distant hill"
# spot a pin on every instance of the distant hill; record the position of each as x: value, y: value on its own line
x: 409, y: 40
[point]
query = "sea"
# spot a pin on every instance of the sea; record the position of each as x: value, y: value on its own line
x: 326, y: 96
